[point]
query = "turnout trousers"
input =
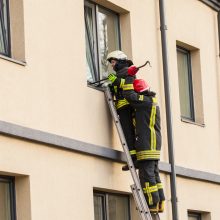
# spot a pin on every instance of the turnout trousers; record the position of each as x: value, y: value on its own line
x: 126, y: 119
x: 150, y: 182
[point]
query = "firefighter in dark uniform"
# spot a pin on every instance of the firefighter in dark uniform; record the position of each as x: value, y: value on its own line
x: 148, y: 140
x: 120, y: 65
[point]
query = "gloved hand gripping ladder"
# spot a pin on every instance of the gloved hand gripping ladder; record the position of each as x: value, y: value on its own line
x: 136, y: 187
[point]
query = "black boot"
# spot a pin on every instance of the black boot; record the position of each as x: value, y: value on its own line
x: 126, y: 168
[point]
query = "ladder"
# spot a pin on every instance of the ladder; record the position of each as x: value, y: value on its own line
x: 136, y: 189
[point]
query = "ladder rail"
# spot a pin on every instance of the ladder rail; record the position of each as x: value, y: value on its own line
x: 136, y: 188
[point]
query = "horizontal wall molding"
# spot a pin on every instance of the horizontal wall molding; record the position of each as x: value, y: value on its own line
x: 60, y: 141
x: 214, y: 4
x: 65, y: 143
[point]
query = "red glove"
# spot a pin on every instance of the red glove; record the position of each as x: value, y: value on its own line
x: 132, y: 70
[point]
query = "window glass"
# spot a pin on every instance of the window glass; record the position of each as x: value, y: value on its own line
x: 108, y: 37
x: 102, y: 37
x: 4, y: 29
x: 194, y: 216
x: 185, y: 84
x: 99, y: 207
x: 118, y: 207
x: 111, y: 206
x: 6, y: 199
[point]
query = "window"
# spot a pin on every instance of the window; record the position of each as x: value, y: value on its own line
x: 12, y: 30
x: 7, y: 198
x: 4, y: 28
x: 194, y: 216
x: 185, y: 83
x: 102, y: 37
x: 111, y: 206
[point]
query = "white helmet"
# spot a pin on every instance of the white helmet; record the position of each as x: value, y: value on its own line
x: 117, y: 54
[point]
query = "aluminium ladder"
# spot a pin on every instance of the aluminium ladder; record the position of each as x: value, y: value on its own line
x: 136, y: 189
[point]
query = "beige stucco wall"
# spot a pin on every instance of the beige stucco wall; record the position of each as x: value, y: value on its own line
x: 60, y: 183
x: 193, y: 140
x: 50, y: 94
x: 200, y: 196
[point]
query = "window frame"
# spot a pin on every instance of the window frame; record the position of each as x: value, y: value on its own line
x: 105, y: 204
x: 95, y: 7
x: 8, y: 53
x: 11, y: 181
x: 190, y: 83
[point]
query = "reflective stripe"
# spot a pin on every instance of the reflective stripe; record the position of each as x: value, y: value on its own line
x: 141, y: 97
x: 132, y: 152
x: 128, y: 87
x: 147, y: 191
x: 154, y: 100
x: 159, y: 185
x: 121, y: 103
x: 115, y: 89
x: 122, y: 83
x: 148, y: 154
x: 161, y: 206
x: 153, y: 188
x: 152, y: 130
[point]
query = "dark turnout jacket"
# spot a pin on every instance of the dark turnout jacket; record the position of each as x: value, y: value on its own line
x: 147, y: 119
x: 117, y: 85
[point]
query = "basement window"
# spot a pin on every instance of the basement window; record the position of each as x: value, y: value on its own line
x: 194, y: 216
x: 102, y: 37
x: 111, y: 206
x: 7, y: 198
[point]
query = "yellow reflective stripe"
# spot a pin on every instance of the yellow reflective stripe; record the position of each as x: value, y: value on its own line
x: 141, y: 97
x: 132, y: 152
x: 148, y: 154
x: 153, y: 189
x: 152, y: 130
x: 134, y: 122
x: 121, y: 103
x: 122, y: 83
x: 154, y: 100
x: 153, y: 157
x: 115, y: 89
x: 159, y: 185
x: 147, y: 191
x: 128, y: 87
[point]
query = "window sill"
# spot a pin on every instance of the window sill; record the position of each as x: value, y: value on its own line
x: 22, y: 63
x: 95, y: 87
x: 192, y: 122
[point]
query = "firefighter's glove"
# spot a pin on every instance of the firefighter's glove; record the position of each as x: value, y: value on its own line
x: 112, y: 77
x: 132, y: 70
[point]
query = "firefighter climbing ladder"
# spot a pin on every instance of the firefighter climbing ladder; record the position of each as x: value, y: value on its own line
x: 136, y: 189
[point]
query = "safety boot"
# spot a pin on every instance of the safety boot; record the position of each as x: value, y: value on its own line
x: 126, y: 168
x: 161, y: 206
x: 154, y: 208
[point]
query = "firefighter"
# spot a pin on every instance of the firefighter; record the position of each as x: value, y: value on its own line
x: 120, y: 64
x: 148, y: 140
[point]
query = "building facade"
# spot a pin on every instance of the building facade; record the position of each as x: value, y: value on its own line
x: 60, y: 154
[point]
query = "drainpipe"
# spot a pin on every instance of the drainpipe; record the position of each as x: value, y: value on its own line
x: 163, y: 29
